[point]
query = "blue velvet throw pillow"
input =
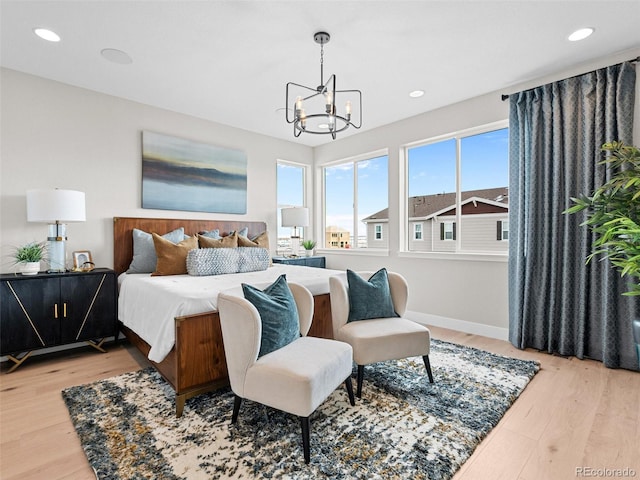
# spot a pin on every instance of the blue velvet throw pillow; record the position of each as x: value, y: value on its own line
x: 369, y: 298
x: 278, y: 312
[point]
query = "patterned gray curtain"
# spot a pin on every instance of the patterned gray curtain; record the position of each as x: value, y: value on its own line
x: 557, y: 303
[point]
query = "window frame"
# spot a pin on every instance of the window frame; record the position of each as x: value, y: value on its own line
x: 377, y: 231
x: 406, y: 236
x: 417, y: 231
x: 502, y: 230
x: 306, y: 169
x: 320, y: 172
x: 448, y: 230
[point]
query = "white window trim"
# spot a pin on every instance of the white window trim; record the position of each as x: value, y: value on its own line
x: 306, y: 195
x: 375, y: 232
x: 404, y: 192
x: 502, y: 239
x: 448, y: 228
x: 421, y: 225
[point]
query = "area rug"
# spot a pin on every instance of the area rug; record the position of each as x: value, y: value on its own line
x: 403, y: 427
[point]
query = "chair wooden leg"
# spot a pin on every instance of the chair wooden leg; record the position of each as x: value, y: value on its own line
x: 236, y: 408
x: 349, y: 386
x: 305, y: 438
x: 427, y: 365
x: 360, y: 377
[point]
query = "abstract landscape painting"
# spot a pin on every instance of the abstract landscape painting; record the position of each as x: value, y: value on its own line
x: 179, y: 174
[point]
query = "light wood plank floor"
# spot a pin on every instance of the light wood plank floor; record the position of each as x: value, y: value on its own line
x: 573, y: 415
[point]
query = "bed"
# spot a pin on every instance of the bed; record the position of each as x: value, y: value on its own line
x: 196, y: 362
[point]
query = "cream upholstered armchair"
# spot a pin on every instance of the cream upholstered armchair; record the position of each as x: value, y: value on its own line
x: 388, y: 337
x: 295, y: 378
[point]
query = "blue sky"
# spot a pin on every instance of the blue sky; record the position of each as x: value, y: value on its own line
x: 432, y: 168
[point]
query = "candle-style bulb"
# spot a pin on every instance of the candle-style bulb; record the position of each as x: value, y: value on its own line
x: 298, y: 106
x: 303, y: 119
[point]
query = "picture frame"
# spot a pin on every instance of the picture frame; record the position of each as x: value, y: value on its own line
x: 82, y: 261
x: 181, y: 174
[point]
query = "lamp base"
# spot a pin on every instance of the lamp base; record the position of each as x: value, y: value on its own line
x: 56, y: 249
x: 295, y: 246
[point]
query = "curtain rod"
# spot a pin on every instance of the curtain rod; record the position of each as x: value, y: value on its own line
x: 633, y: 60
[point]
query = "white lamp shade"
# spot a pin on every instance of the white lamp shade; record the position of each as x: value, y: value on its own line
x: 295, y: 217
x: 49, y: 206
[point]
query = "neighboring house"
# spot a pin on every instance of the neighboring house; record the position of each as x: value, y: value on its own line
x: 336, y: 237
x: 433, y: 226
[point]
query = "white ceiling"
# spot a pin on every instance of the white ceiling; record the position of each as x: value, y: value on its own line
x: 229, y: 61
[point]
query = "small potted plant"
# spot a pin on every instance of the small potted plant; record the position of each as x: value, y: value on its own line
x: 308, y: 246
x: 29, y: 256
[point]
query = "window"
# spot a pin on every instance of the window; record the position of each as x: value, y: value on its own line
x: 355, y: 200
x: 448, y: 231
x: 503, y: 229
x: 457, y: 190
x: 290, y: 180
x: 417, y: 231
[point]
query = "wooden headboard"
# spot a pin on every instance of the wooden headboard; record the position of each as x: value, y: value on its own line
x: 123, y: 232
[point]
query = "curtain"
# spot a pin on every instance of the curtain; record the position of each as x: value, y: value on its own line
x: 557, y: 303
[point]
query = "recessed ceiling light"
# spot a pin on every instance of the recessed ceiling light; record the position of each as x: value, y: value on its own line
x: 47, y: 34
x: 581, y: 34
x: 416, y: 93
x: 116, y: 56
x: 323, y: 125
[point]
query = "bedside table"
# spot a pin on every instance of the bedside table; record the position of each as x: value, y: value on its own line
x: 318, y: 262
x: 50, y: 309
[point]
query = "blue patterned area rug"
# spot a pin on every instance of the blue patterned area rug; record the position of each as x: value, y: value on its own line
x: 403, y: 427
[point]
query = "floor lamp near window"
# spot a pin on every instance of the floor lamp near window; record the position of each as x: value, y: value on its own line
x: 295, y: 217
x: 56, y: 207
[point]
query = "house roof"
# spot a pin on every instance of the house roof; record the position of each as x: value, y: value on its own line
x: 423, y: 206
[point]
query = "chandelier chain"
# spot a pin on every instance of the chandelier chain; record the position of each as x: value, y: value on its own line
x: 322, y: 64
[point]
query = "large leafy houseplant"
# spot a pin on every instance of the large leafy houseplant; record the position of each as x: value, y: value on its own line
x: 614, y: 212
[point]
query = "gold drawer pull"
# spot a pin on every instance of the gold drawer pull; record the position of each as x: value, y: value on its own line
x: 55, y: 310
x: 64, y: 310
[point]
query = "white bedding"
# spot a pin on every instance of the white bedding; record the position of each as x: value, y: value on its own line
x: 148, y: 305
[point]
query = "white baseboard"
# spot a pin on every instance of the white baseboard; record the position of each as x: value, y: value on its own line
x: 490, y: 331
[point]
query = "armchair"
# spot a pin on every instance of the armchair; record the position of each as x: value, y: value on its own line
x: 295, y: 378
x: 378, y: 339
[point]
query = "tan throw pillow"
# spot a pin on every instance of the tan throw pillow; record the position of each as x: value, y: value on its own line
x: 261, y: 241
x: 230, y: 241
x: 172, y: 257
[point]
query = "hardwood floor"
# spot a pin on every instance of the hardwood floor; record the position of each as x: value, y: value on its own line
x: 573, y: 415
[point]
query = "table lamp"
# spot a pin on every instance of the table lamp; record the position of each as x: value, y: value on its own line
x: 56, y: 207
x: 295, y: 217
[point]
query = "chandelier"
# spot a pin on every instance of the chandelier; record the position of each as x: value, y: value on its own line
x: 314, y: 108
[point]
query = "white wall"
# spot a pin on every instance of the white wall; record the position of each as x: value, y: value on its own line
x: 470, y: 295
x: 56, y: 135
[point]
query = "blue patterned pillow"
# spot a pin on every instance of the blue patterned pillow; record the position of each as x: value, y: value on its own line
x: 219, y: 261
x: 144, y: 252
x: 278, y: 312
x: 369, y: 299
